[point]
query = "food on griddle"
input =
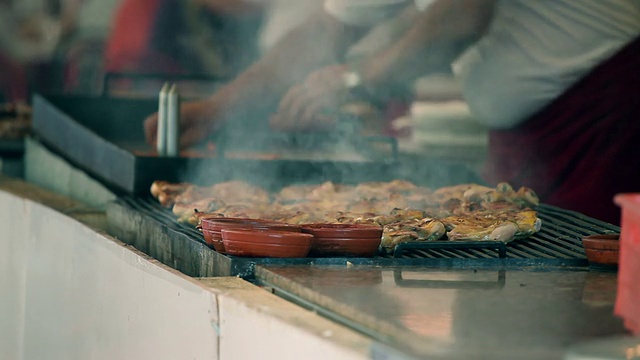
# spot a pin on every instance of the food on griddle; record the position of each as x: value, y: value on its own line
x: 406, y: 212
x: 166, y: 191
x: 487, y: 225
x: 426, y: 229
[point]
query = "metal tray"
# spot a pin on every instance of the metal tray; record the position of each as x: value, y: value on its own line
x: 104, y: 137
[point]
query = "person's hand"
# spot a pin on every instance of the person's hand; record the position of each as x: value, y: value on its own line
x: 309, y: 106
x: 197, y: 122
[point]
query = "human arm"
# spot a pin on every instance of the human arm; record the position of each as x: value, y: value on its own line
x: 255, y: 93
x: 434, y: 39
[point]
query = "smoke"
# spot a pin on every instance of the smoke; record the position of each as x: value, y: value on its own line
x: 176, y: 40
x: 343, y: 154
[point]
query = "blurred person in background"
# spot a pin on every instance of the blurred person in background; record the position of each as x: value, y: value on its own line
x: 50, y: 45
x: 29, y: 32
x: 216, y: 38
x: 78, y: 58
x: 555, y: 80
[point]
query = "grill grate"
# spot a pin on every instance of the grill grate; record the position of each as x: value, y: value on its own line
x: 559, y: 238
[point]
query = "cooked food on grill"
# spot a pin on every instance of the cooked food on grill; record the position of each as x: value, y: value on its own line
x: 405, y: 211
x: 487, y: 225
x: 411, y: 230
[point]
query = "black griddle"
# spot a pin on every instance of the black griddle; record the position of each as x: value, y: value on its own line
x: 153, y: 229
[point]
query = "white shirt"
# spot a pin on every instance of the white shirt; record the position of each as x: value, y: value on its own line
x: 532, y: 52
x: 282, y: 16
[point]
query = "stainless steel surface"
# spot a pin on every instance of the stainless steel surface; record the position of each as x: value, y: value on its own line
x: 453, y: 313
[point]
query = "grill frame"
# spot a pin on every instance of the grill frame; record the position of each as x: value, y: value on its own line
x: 145, y: 224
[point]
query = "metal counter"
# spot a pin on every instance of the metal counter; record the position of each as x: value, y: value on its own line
x: 454, y: 313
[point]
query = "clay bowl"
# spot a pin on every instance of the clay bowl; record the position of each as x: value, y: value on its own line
x: 214, y: 223
x: 343, y: 231
x: 344, y: 239
x: 213, y: 239
x: 266, y: 243
x: 212, y: 227
x: 602, y: 250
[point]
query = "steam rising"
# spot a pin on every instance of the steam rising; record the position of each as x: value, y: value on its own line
x: 340, y: 155
x: 186, y: 40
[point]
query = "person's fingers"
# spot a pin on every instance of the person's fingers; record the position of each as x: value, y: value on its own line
x: 328, y: 79
x: 281, y: 123
x: 277, y: 122
x: 324, y: 121
x: 293, y: 105
x: 191, y: 135
x: 312, y: 109
x: 196, y: 124
x: 289, y: 98
x: 151, y: 129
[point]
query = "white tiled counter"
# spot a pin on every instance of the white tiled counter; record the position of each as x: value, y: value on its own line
x: 69, y: 291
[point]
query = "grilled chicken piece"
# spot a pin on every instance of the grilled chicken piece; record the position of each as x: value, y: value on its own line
x: 234, y: 192
x: 411, y: 230
x: 356, y: 218
x: 458, y: 192
x: 241, y: 211
x: 527, y: 197
x: 405, y: 211
x: 528, y: 223
x: 504, y: 192
x: 184, y: 210
x: 294, y: 193
x: 194, y: 194
x: 377, y: 189
x: 166, y: 192
x: 504, y: 231
x: 492, y: 225
x: 379, y: 205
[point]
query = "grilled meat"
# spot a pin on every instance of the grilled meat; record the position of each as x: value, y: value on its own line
x: 407, y: 212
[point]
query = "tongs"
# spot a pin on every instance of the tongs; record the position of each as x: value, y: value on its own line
x: 168, y: 135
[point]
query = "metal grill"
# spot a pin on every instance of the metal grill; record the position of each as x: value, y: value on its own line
x: 559, y: 238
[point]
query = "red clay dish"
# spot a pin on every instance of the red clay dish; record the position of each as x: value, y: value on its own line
x: 239, y: 248
x: 351, y: 231
x: 214, y: 223
x: 344, y: 239
x: 212, y: 227
x: 266, y: 243
x: 602, y: 250
x: 213, y: 239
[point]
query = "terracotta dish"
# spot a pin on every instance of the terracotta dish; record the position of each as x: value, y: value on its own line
x: 343, y: 230
x: 266, y: 243
x: 344, y: 239
x: 212, y: 227
x: 602, y: 250
x: 211, y: 238
x: 214, y: 223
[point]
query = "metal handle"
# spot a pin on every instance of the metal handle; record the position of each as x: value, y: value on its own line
x: 450, y: 284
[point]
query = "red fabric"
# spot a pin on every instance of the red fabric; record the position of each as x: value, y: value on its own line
x: 13, y: 80
x: 628, y: 297
x: 582, y: 149
x: 129, y: 47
